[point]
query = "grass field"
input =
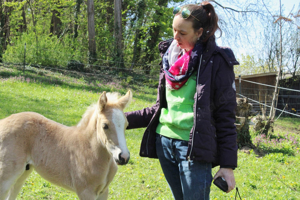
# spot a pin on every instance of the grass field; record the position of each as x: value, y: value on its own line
x: 271, y: 175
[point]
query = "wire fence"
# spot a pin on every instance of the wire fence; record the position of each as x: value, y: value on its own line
x: 268, y: 90
x: 268, y: 106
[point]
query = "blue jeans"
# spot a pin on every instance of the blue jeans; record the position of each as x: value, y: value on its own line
x: 187, y: 180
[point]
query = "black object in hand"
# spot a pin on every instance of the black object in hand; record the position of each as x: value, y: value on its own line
x: 221, y: 183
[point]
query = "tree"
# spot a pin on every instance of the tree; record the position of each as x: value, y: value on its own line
x: 139, y: 18
x: 56, y: 23
x: 293, y: 51
x: 118, y: 32
x: 77, y: 12
x: 154, y: 33
x: 5, y: 25
x: 248, y: 65
x: 91, y: 30
x: 2, y: 22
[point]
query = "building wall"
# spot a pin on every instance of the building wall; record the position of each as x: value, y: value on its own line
x: 287, y: 100
x: 260, y: 93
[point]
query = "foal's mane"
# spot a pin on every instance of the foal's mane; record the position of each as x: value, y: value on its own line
x: 90, y: 115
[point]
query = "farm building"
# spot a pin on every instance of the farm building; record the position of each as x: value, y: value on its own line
x: 250, y: 87
x: 289, y: 99
x: 255, y: 88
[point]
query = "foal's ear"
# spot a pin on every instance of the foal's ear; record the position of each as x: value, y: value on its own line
x: 102, y: 101
x: 125, y: 100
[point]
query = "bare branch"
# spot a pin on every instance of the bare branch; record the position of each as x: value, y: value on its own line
x: 268, y: 9
x: 229, y: 8
x: 283, y: 18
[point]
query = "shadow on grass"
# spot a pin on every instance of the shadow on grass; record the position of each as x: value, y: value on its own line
x: 275, y: 144
x: 11, y: 104
x: 89, y: 80
x: 284, y: 151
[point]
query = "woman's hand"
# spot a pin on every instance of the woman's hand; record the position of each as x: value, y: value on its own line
x: 227, y: 174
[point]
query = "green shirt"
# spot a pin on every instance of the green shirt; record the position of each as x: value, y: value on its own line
x: 177, y: 120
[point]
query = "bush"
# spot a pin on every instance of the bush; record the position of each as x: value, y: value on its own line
x: 45, y: 50
x: 75, y: 65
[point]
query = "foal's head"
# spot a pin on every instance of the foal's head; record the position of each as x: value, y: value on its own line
x: 111, y: 125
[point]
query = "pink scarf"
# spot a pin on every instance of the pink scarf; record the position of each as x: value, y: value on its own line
x: 178, y: 70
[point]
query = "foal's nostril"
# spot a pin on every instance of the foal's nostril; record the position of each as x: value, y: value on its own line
x: 122, y: 160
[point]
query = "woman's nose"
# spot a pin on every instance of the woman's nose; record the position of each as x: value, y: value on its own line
x: 176, y: 36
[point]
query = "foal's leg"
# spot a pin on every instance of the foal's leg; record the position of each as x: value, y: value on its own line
x: 103, y: 195
x: 4, y: 188
x: 87, y: 194
x: 14, y: 191
x: 8, y: 178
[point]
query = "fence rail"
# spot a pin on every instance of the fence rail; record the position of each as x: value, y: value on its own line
x: 265, y: 93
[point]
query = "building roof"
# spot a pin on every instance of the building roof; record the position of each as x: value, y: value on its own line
x: 257, y: 75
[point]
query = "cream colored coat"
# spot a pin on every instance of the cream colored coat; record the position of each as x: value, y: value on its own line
x: 80, y: 158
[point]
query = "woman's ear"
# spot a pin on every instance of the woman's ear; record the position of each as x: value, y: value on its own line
x: 199, y: 32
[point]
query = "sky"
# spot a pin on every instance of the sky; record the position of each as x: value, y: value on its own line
x: 253, y: 30
x: 288, y: 4
x: 274, y: 5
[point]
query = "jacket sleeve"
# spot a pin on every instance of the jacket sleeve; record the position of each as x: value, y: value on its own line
x: 224, y: 112
x: 140, y: 118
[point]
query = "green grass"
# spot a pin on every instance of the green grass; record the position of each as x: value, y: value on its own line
x: 62, y: 98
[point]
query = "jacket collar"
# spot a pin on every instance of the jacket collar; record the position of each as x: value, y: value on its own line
x: 210, y: 48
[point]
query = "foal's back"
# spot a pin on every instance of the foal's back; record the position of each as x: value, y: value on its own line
x: 58, y: 153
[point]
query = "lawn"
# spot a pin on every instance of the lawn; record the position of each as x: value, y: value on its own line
x: 271, y: 174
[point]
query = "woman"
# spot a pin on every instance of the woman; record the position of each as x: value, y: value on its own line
x: 191, y: 127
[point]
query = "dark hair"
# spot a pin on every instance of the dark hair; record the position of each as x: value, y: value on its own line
x: 206, y: 18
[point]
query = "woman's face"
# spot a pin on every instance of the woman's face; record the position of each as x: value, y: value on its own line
x: 184, y: 33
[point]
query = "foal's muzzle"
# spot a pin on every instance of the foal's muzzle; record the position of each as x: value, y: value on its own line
x: 122, y: 160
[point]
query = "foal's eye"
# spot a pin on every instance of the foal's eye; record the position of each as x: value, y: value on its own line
x: 104, y: 126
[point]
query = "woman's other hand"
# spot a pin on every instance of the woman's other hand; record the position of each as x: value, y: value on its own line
x: 227, y: 174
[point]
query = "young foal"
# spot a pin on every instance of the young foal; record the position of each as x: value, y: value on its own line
x: 81, y: 158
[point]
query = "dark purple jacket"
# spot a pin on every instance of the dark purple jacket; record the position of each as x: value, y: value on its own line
x: 213, y: 138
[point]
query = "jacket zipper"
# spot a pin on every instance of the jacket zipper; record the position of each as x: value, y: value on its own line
x: 195, y: 120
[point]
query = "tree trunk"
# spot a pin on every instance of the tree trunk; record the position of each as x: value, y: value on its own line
x: 275, y: 95
x: 118, y: 33
x: 34, y: 27
x: 91, y: 30
x: 23, y: 26
x: 154, y: 35
x: 110, y: 14
x: 77, y: 11
x: 56, y: 24
x: 2, y: 22
x: 4, y: 26
x: 139, y: 21
x: 244, y: 111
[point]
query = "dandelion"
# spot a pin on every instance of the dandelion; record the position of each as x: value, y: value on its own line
x: 283, y: 177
